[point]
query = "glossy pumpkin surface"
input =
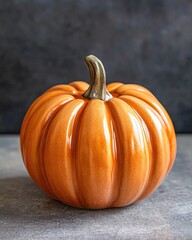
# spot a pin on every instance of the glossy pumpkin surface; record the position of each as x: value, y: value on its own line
x: 96, y: 153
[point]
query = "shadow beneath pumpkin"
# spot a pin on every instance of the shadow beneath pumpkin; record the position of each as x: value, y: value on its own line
x: 21, y: 199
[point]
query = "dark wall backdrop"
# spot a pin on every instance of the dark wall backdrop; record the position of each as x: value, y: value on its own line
x: 44, y: 42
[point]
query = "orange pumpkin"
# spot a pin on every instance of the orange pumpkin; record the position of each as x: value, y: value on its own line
x: 96, y: 146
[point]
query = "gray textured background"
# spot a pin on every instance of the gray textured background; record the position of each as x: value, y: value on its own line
x: 44, y: 42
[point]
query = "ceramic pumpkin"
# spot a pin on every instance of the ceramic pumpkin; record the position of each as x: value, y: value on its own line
x: 97, y: 146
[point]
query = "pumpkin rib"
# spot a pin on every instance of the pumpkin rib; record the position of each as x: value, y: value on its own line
x: 118, y: 153
x: 62, y: 172
x: 111, y: 87
x: 63, y: 87
x: 34, y: 107
x: 116, y: 149
x: 80, y: 86
x: 33, y: 131
x: 148, y: 145
x: 138, y: 94
x: 158, y: 136
x: 162, y: 113
x: 42, y: 148
x: 153, y: 102
x: 160, y: 110
x: 94, y: 156
x: 74, y: 147
x: 133, y: 155
x: 29, y: 116
x: 132, y: 87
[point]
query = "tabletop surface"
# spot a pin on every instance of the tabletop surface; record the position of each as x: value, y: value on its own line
x: 27, y: 213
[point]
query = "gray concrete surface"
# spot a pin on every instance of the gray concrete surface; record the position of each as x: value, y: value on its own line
x: 27, y: 213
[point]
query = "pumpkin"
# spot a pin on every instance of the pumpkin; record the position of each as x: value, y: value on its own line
x: 97, y: 146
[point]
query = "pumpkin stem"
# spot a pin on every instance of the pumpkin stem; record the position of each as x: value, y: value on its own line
x: 97, y: 88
